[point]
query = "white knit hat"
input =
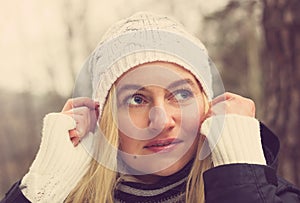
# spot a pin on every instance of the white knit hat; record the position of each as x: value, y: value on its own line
x: 142, y: 38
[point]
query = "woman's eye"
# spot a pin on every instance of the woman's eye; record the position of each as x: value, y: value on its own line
x: 135, y: 100
x: 182, y: 95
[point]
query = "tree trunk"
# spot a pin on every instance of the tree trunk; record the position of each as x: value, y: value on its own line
x: 281, y: 22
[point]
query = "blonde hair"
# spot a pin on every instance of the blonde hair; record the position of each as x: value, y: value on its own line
x: 99, y: 182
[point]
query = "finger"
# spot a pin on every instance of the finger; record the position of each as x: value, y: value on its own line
x: 78, y: 111
x: 79, y: 102
x: 93, y: 119
x: 83, y: 111
x: 220, y: 108
x: 224, y: 97
x: 76, y: 133
x: 75, y: 141
x: 73, y: 133
x: 218, y: 99
x: 74, y: 137
x: 83, y: 124
x: 85, y: 118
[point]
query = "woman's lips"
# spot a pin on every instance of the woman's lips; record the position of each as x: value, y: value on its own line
x: 163, y: 145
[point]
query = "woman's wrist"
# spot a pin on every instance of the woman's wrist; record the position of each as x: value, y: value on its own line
x: 234, y: 139
x: 58, y: 165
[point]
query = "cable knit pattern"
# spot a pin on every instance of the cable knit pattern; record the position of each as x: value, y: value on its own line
x: 58, y: 165
x: 142, y: 38
x: 234, y: 139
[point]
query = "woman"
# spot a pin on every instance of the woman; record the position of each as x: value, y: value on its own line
x: 154, y: 132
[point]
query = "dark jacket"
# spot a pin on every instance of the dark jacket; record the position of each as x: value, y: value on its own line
x: 249, y: 183
x: 246, y: 183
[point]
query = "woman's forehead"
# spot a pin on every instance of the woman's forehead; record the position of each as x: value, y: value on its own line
x: 156, y: 74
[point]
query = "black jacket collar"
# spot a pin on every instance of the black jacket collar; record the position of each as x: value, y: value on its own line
x: 271, y: 146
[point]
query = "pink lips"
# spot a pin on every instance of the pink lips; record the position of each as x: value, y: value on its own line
x: 164, y: 145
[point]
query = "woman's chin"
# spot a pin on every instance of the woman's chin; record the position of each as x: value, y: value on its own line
x: 161, y: 167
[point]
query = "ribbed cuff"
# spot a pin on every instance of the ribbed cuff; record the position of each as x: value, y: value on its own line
x: 59, y: 165
x: 234, y: 139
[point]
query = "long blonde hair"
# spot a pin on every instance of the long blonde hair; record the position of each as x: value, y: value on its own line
x: 99, y: 182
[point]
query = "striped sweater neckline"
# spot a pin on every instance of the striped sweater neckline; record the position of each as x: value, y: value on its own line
x: 167, y: 189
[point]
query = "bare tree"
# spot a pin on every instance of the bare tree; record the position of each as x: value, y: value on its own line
x: 77, y: 32
x: 233, y: 39
x: 281, y: 21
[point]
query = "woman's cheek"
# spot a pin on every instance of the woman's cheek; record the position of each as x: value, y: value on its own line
x: 190, y: 119
x: 127, y: 144
x: 134, y: 125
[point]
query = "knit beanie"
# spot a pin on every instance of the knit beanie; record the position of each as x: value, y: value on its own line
x: 142, y: 38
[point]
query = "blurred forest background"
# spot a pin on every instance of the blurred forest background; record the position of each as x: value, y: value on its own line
x: 255, y: 45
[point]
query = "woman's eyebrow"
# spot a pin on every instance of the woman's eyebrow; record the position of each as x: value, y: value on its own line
x: 129, y: 87
x: 181, y: 82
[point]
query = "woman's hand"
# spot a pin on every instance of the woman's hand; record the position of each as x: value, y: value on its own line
x: 232, y: 132
x: 58, y: 165
x: 85, y: 112
x: 229, y: 103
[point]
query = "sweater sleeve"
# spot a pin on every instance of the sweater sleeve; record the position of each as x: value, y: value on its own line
x: 58, y: 165
x: 240, y: 173
x: 234, y: 139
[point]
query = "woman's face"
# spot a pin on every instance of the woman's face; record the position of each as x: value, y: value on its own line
x: 160, y: 107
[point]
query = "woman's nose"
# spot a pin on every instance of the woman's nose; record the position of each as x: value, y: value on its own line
x: 160, y: 119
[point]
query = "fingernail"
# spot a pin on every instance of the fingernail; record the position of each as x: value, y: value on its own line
x: 73, y: 142
x: 78, y: 133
